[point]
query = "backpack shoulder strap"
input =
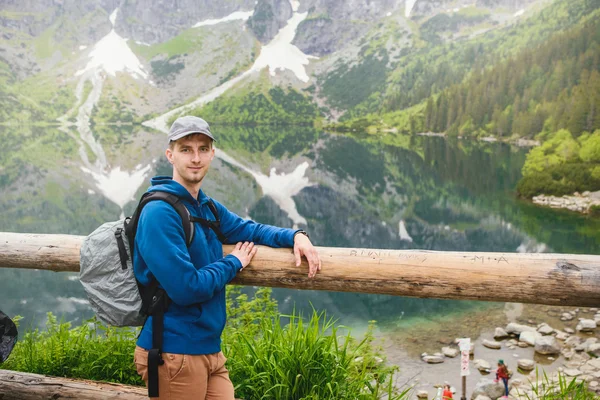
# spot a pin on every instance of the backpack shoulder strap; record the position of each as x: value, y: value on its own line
x: 131, y: 223
x: 214, y: 225
x: 213, y: 209
x: 155, y: 300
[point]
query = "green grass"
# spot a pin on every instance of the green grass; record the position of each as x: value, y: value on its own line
x: 559, y: 389
x: 188, y: 41
x: 43, y: 97
x: 473, y: 12
x: 269, y: 356
x: 18, y: 15
x: 44, y: 44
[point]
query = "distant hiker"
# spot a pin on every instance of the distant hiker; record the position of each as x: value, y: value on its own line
x: 447, y: 394
x: 187, y: 355
x: 502, y: 373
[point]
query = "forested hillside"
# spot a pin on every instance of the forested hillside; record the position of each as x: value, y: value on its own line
x: 551, y: 87
x: 502, y: 83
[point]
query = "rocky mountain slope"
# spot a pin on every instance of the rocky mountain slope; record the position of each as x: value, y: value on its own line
x: 188, y: 47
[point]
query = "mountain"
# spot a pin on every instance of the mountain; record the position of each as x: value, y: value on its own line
x: 111, y: 75
x: 159, y: 55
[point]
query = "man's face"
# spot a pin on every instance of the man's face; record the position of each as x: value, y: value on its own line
x: 191, y: 157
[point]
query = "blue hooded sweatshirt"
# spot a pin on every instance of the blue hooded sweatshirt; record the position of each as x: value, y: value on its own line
x: 194, y: 277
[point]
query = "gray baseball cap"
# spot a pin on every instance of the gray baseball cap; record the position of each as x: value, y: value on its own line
x: 187, y: 125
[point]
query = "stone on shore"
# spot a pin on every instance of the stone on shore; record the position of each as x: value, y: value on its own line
x: 529, y: 337
x: 586, y: 325
x: 450, y: 352
x: 566, y: 317
x: 515, y: 328
x: 433, y: 359
x: 547, y: 345
x: 500, y: 334
x: 489, y: 388
x: 482, y: 365
x: 525, y: 364
x: 491, y: 344
x: 545, y: 329
x: 594, y: 350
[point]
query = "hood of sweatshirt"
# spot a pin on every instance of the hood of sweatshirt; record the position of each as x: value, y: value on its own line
x: 164, y: 183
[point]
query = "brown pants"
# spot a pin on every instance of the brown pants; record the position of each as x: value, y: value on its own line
x: 187, y: 377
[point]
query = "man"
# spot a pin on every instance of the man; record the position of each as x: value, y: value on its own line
x: 194, y: 277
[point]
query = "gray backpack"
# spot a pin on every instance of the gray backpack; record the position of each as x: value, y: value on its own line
x: 106, y: 269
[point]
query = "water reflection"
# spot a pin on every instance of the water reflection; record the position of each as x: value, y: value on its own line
x: 444, y: 195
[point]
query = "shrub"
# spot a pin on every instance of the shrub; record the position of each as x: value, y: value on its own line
x: 558, y: 180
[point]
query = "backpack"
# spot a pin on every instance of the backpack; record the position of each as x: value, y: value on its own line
x: 106, y: 269
x: 8, y: 336
x: 106, y: 273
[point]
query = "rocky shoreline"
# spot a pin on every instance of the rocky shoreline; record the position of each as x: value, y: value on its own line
x: 577, y: 202
x: 575, y: 349
x: 516, y: 141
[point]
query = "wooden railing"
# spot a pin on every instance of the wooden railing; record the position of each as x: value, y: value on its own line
x: 552, y: 279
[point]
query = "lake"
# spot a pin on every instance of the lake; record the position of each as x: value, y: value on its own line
x: 347, y: 191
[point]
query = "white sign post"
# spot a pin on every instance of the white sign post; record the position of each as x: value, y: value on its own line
x: 464, y: 345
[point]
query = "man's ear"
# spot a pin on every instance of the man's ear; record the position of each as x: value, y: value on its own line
x: 169, y: 155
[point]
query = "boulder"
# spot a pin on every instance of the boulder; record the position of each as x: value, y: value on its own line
x: 573, y: 341
x: 566, y: 317
x: 488, y: 388
x: 450, y: 352
x: 547, y: 345
x: 586, y: 345
x: 422, y: 394
x: 594, y: 350
x: 545, y: 329
x: 482, y: 365
x: 529, y: 337
x: 525, y: 364
x: 500, y: 334
x: 515, y: 328
x: 586, y: 325
x: 561, y: 335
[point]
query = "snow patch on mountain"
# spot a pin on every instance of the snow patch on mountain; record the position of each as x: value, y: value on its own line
x: 408, y: 7
x: 238, y: 15
x: 281, y: 54
x: 112, y: 54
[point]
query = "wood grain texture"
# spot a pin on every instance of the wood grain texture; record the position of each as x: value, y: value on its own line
x: 553, y: 279
x: 25, y: 386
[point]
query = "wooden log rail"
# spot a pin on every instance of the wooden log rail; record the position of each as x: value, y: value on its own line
x: 552, y: 279
x: 25, y: 386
